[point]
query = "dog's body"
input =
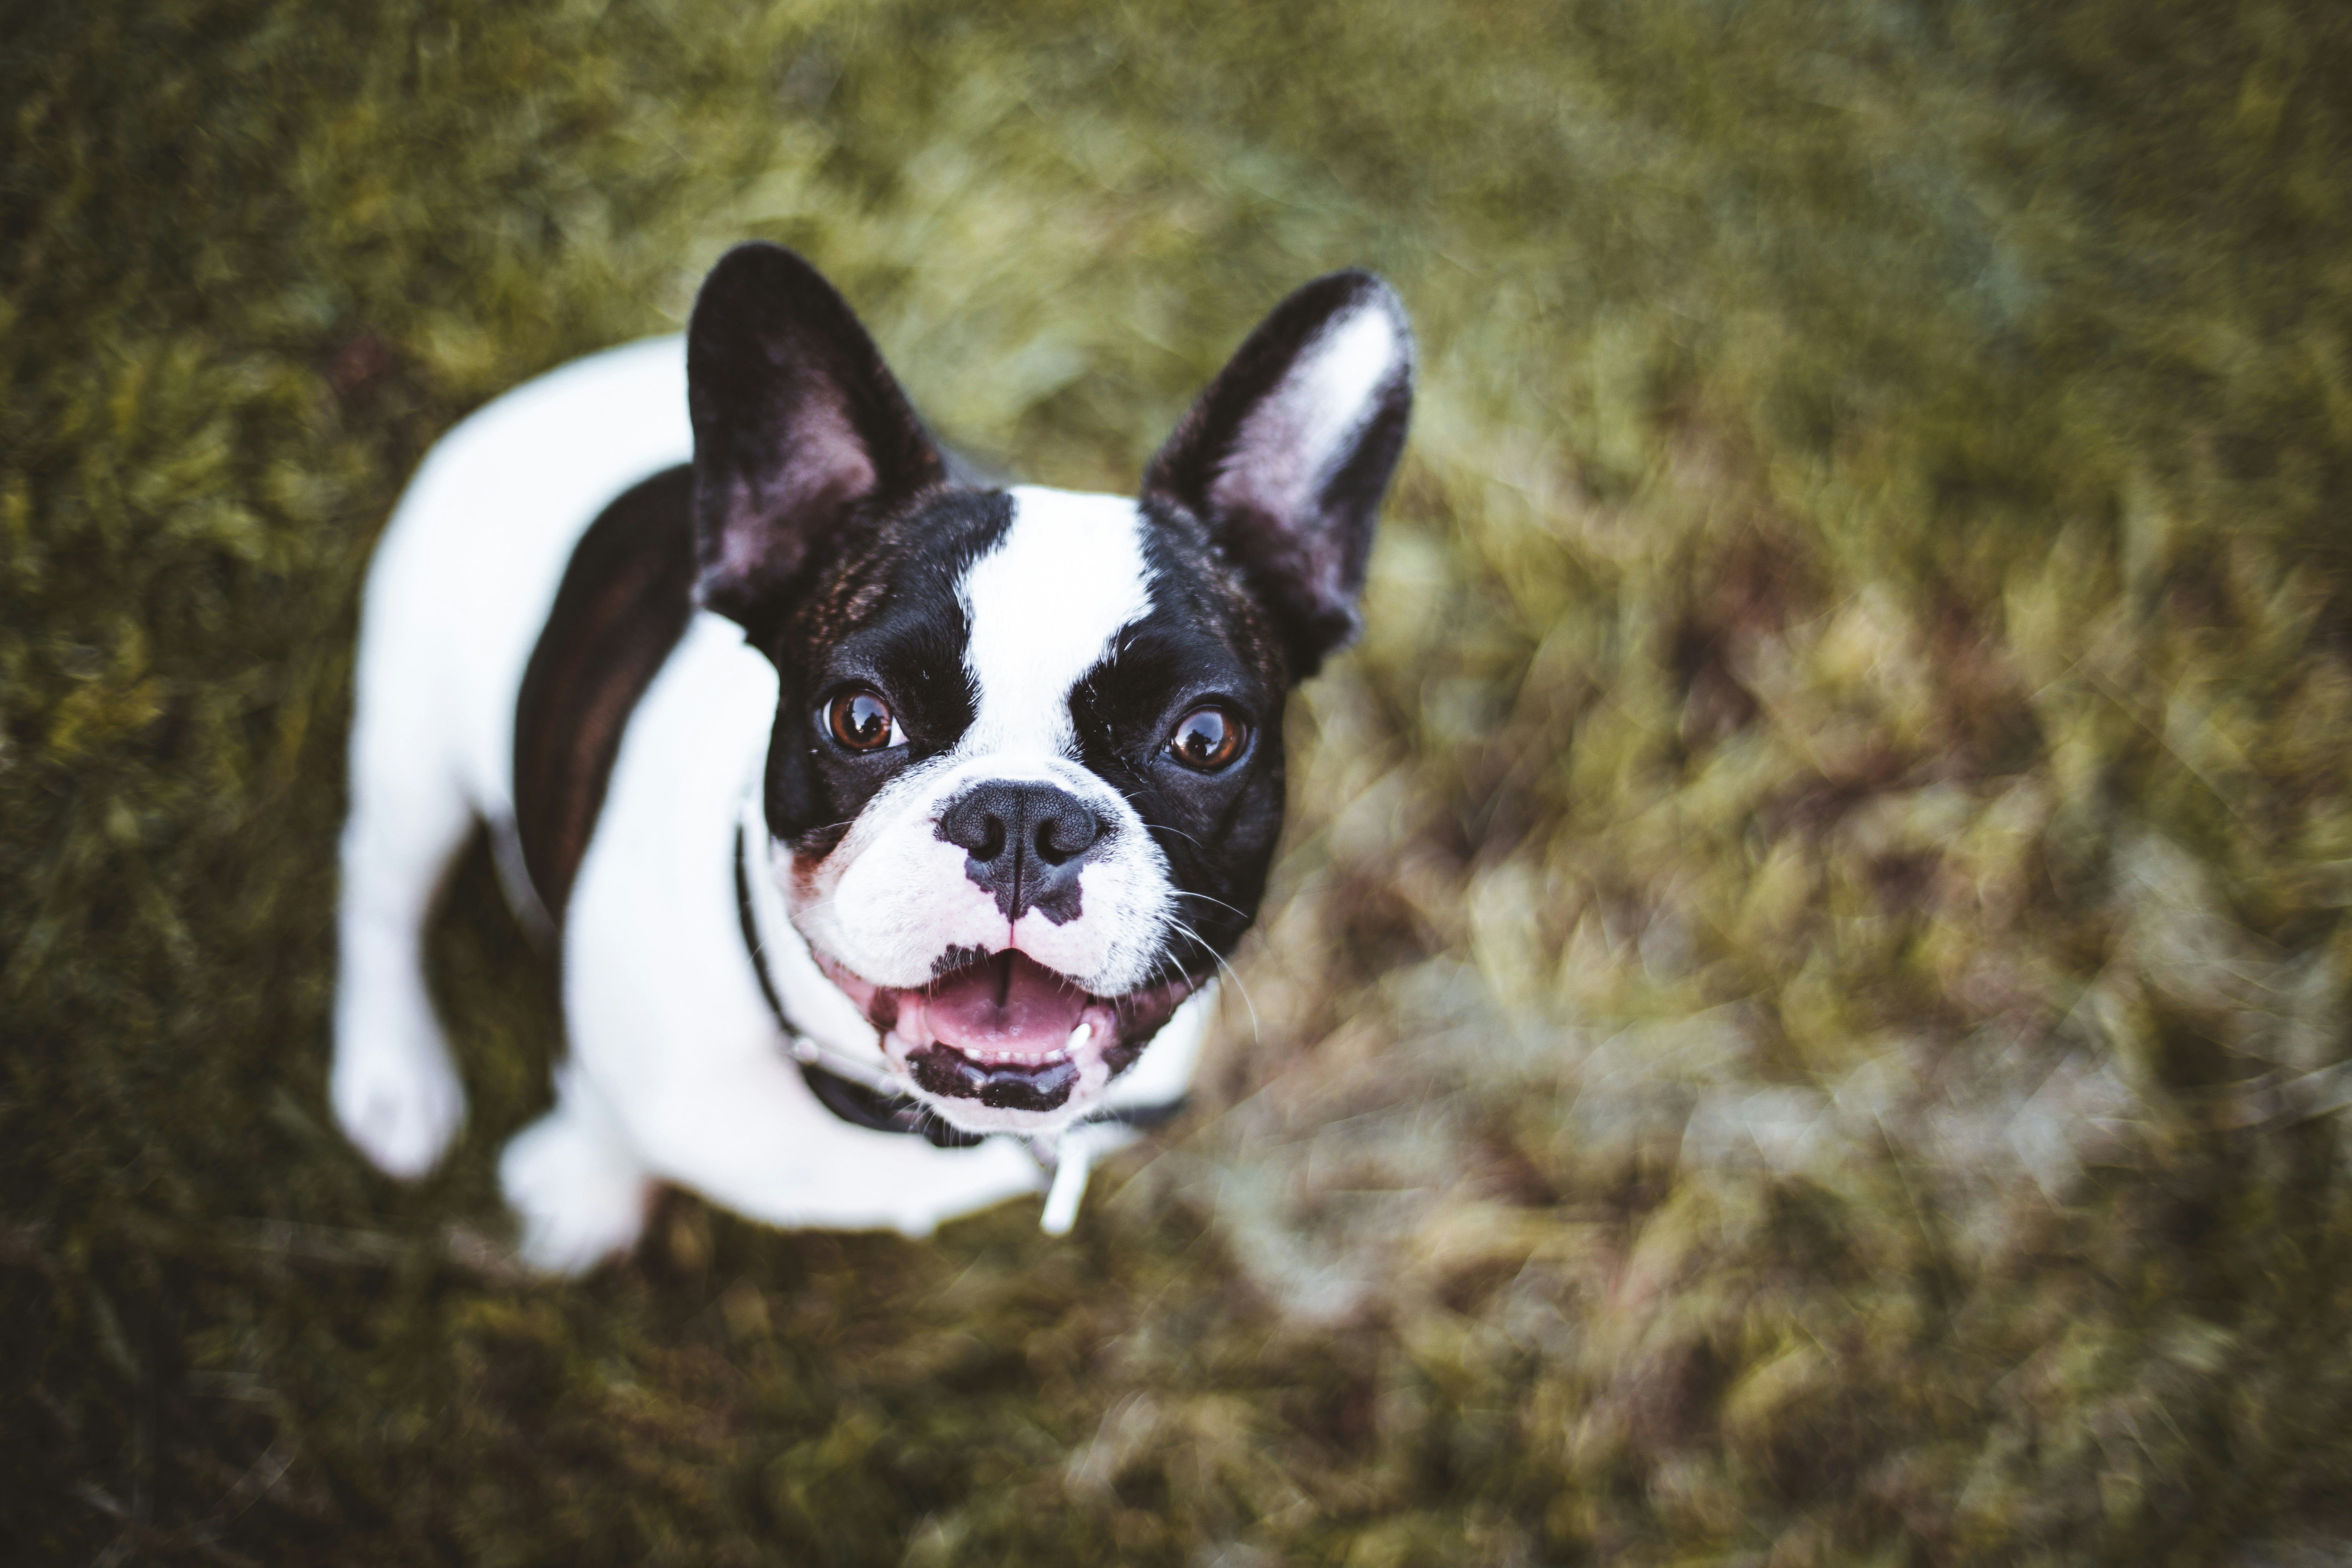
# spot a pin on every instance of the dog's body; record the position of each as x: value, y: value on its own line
x: 885, y: 821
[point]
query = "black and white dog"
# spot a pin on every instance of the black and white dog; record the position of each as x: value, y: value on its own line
x: 893, y: 826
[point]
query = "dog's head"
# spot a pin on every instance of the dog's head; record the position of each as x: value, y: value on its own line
x: 1026, y: 774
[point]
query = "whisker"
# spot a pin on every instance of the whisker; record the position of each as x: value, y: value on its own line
x: 1207, y: 900
x: 1256, y: 1035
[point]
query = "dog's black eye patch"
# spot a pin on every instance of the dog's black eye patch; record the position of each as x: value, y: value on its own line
x: 1133, y: 702
x: 889, y: 624
x: 1181, y: 689
x: 914, y: 674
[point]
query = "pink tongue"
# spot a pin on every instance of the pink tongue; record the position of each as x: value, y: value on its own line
x: 981, y: 1008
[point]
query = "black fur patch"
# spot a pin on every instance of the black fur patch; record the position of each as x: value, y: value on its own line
x: 955, y: 958
x: 887, y: 618
x: 624, y: 601
x: 1206, y: 638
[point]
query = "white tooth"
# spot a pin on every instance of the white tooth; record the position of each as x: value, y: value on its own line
x: 1079, y: 1037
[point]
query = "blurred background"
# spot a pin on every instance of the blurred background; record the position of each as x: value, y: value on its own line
x: 1804, y: 1015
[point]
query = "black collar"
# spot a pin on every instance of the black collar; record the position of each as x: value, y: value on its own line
x: 856, y: 1103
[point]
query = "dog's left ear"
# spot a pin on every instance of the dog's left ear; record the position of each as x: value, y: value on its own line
x: 797, y: 424
x: 1287, y: 455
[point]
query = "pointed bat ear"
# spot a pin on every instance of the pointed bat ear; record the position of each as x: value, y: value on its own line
x: 1287, y: 455
x: 798, y: 426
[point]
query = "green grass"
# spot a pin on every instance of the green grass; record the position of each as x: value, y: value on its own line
x: 1803, y: 1017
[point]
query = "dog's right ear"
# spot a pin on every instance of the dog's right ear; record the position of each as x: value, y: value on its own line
x: 797, y: 424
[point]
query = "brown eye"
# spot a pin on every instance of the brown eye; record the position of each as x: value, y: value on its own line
x: 860, y: 721
x: 1208, y: 738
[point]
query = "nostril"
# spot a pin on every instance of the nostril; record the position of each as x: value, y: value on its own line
x: 1065, y: 835
x: 976, y: 824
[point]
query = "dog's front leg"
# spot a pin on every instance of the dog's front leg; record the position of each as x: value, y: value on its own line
x: 574, y: 1181
x: 735, y: 1123
x: 392, y: 1085
x: 748, y: 1134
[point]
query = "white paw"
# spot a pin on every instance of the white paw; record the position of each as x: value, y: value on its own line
x: 579, y: 1194
x: 397, y: 1098
x: 964, y: 1182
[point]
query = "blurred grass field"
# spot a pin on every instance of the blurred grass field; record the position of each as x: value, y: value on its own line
x: 1804, y: 1015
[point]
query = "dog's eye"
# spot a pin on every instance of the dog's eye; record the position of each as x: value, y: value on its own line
x: 862, y: 721
x: 1208, y: 738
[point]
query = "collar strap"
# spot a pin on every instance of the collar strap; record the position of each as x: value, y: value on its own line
x: 870, y: 1105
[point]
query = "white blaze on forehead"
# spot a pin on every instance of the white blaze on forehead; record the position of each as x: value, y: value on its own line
x: 1044, y: 606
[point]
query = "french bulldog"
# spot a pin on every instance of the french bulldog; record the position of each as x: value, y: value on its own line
x: 892, y: 826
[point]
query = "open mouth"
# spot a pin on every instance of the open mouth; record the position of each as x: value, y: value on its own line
x: 1007, y: 1033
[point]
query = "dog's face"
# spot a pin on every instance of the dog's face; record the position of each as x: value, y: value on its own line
x: 1027, y: 771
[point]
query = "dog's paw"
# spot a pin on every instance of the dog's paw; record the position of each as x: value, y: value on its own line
x: 579, y: 1197
x: 964, y: 1181
x: 399, y: 1101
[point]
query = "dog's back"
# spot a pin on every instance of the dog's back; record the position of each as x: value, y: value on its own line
x: 461, y: 587
x: 467, y: 569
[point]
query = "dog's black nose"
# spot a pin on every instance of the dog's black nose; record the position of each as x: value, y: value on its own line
x: 1026, y: 844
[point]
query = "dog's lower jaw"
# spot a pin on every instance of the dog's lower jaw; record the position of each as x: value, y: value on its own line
x: 968, y: 1046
